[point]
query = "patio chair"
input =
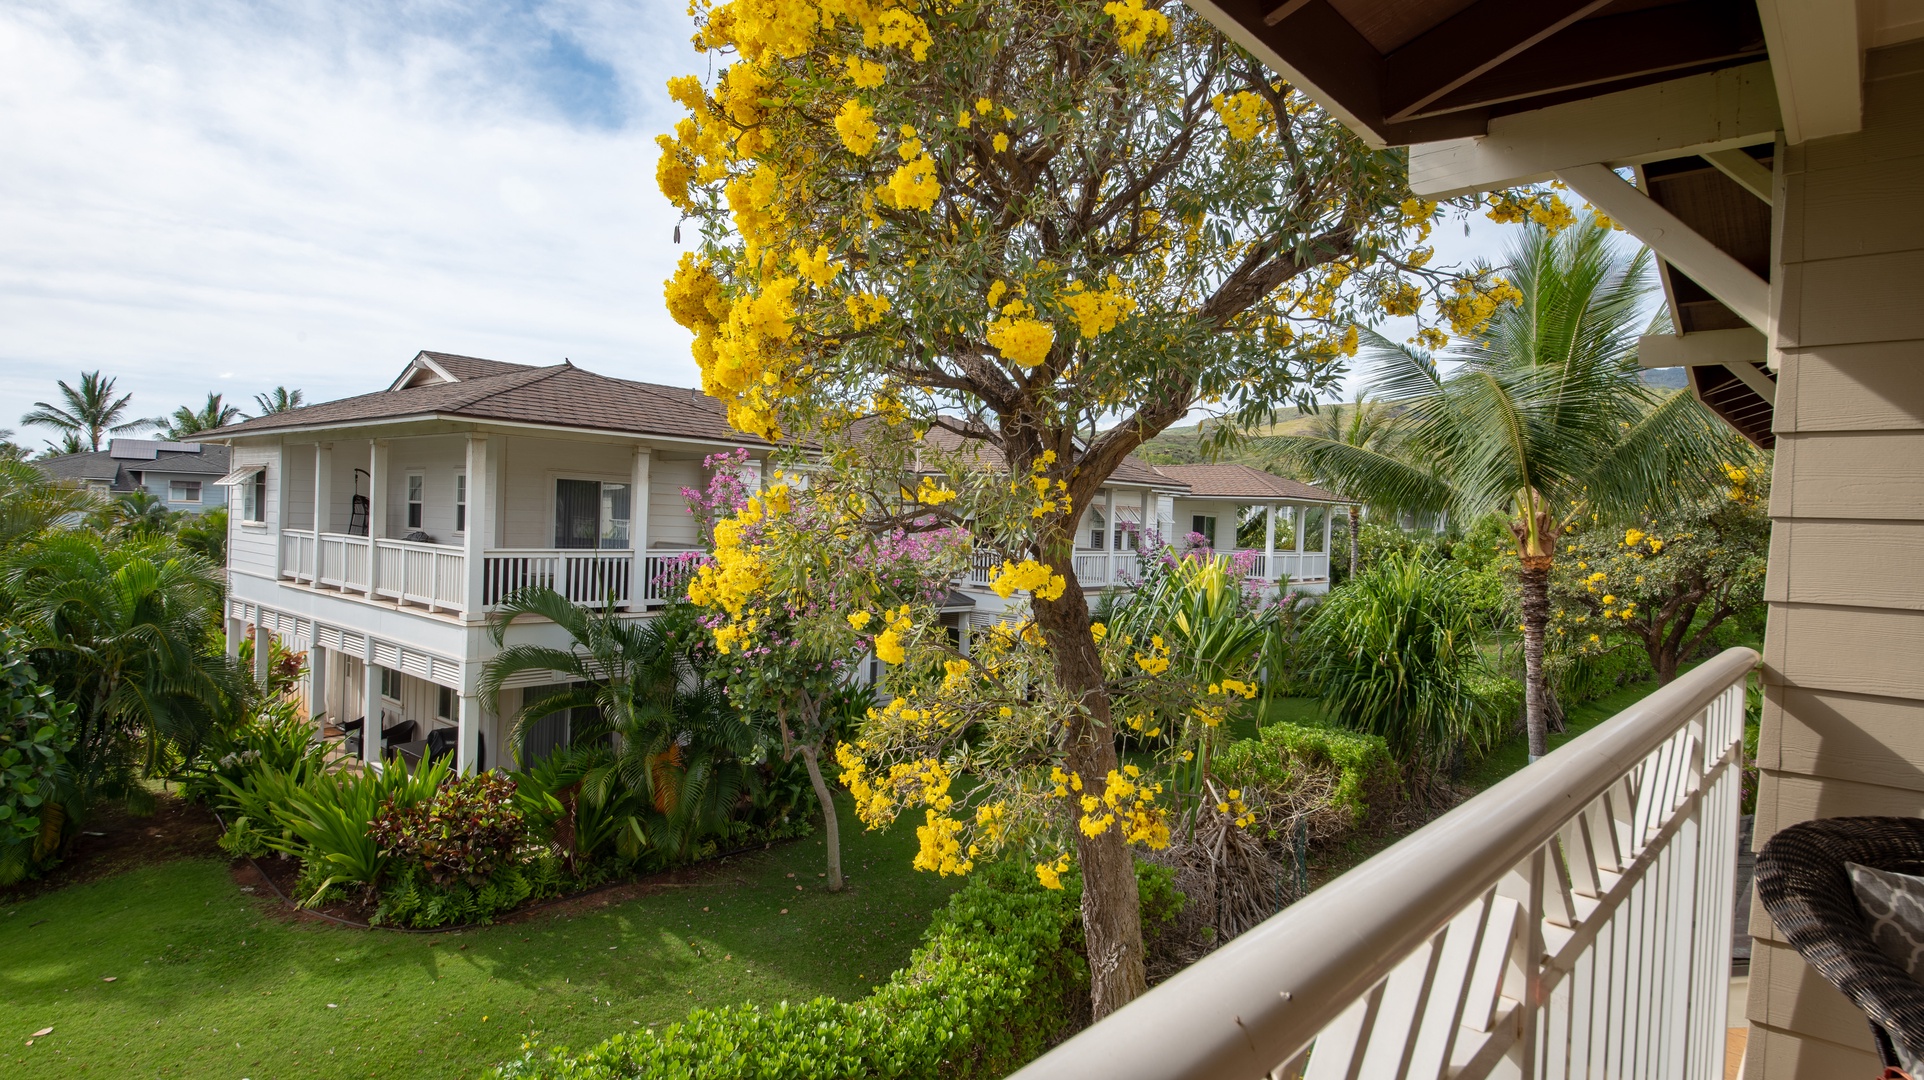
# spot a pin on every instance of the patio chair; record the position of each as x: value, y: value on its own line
x: 1802, y: 883
x: 442, y: 740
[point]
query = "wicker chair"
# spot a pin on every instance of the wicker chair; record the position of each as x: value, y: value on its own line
x: 1802, y: 883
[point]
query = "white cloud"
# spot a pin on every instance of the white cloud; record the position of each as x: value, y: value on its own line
x: 306, y: 194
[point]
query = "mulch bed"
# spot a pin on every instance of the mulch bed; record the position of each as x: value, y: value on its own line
x: 115, y: 841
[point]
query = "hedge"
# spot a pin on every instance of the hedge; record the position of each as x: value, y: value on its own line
x: 997, y: 980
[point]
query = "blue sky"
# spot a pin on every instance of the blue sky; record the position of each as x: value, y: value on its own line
x: 234, y: 195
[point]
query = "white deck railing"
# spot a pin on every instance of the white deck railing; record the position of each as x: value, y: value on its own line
x: 665, y: 572
x: 1096, y: 569
x: 1572, y: 921
x: 591, y: 576
x: 1293, y: 565
x: 431, y: 575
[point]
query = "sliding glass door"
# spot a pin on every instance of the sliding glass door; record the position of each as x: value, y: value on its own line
x: 591, y: 514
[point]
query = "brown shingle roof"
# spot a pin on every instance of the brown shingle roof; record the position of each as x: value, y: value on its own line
x: 472, y: 367
x: 1244, y: 482
x: 561, y: 395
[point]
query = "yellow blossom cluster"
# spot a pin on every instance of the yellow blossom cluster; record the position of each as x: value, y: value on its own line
x: 1244, y: 114
x: 1028, y: 576
x: 1096, y: 311
x: 1471, y: 306
x: 1231, y: 805
x: 1050, y: 873
x: 1021, y: 339
x: 888, y: 643
x: 930, y: 492
x: 1126, y: 800
x: 856, y: 125
x: 1545, y: 208
x: 1157, y: 660
x: 1135, y: 24
x: 940, y: 851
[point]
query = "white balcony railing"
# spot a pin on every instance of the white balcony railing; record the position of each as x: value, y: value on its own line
x: 1293, y: 565
x: 434, y: 576
x: 590, y: 576
x: 1573, y: 920
x: 1096, y: 569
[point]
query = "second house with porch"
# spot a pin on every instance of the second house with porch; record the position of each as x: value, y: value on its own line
x: 377, y: 532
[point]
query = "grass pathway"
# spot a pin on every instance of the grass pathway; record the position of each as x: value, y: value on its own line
x: 211, y: 982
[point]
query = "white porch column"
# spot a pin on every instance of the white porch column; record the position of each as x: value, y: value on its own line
x: 1329, y: 519
x: 370, y: 705
x: 323, y: 496
x: 376, y: 509
x: 316, y: 682
x: 467, y: 751
x: 1299, y: 518
x: 638, y: 526
x: 480, y: 525
x: 1269, y: 542
x: 1109, y: 533
x: 262, y: 649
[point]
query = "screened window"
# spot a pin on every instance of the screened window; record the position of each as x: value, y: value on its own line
x: 444, y: 704
x: 417, y: 499
x: 254, y: 498
x: 591, y: 514
x: 183, y: 491
x: 390, y: 684
x: 1204, y: 525
x: 460, y: 502
x: 1097, y: 527
x: 1128, y: 528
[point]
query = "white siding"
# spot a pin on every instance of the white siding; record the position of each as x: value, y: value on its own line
x: 437, y: 458
x: 670, y: 525
x: 299, y: 472
x: 251, y: 548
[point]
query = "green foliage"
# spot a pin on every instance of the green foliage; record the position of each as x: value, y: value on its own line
x: 128, y: 632
x: 463, y: 833
x: 994, y: 983
x: 330, y: 818
x: 413, y: 898
x: 1395, y: 651
x: 1285, y: 760
x: 36, y: 733
x: 205, y: 534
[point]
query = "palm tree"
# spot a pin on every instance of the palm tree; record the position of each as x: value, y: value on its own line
x: 1365, y: 424
x: 86, y: 414
x: 133, y: 514
x: 278, y: 400
x: 677, y: 757
x: 31, y: 504
x: 127, y: 632
x: 186, y: 422
x: 1545, y: 419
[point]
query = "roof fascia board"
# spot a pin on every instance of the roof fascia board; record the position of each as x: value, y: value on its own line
x: 1701, y: 114
x: 1818, y: 64
x: 469, y: 423
x: 1704, y: 348
x: 420, y: 361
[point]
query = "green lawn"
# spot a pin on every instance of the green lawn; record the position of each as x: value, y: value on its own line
x: 210, y: 982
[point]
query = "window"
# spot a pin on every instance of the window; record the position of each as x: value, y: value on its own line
x: 417, y: 493
x: 390, y: 684
x: 254, y: 498
x: 444, y: 704
x: 1204, y: 525
x: 590, y: 514
x: 1096, y: 528
x: 1128, y: 528
x: 183, y: 491
x: 460, y: 502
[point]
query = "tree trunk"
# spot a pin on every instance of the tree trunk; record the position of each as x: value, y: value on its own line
x: 1666, y: 665
x: 1355, y: 516
x: 829, y: 825
x: 1533, y: 583
x: 1111, y: 908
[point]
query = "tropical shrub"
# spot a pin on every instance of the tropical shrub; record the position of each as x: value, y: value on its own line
x: 411, y: 898
x: 993, y: 984
x: 331, y: 820
x: 1396, y: 649
x: 278, y: 738
x: 36, y: 733
x: 1304, y: 772
x: 465, y: 831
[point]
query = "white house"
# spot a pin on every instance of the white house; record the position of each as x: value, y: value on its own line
x: 1221, y: 502
x: 377, y: 532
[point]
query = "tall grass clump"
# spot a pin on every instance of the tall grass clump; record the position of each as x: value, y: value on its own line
x: 1395, y: 655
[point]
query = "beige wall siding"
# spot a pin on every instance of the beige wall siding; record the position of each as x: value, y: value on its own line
x: 670, y: 525
x: 1843, y: 726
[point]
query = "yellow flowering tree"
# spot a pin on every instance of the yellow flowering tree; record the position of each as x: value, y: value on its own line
x: 1053, y: 227
x: 1671, y: 579
x: 801, y: 586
